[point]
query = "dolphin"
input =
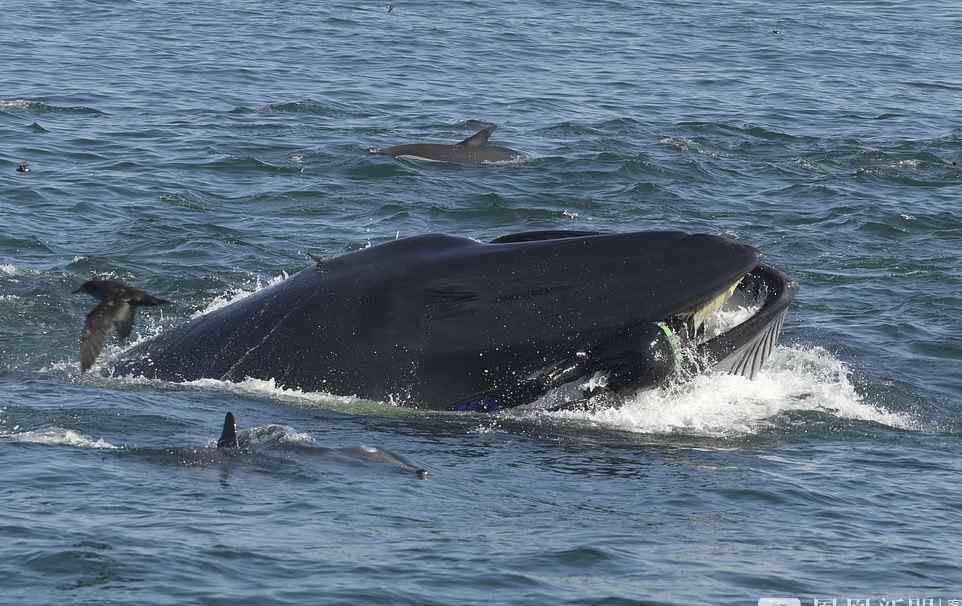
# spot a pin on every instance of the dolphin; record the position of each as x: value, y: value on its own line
x: 449, y: 323
x: 229, y: 441
x: 473, y: 151
x: 228, y: 435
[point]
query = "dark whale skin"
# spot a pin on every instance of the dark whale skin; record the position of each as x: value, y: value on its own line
x: 434, y: 321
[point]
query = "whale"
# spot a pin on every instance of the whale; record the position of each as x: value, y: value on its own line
x: 473, y: 151
x: 450, y: 323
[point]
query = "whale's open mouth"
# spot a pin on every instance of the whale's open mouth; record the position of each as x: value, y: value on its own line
x: 737, y: 329
x: 694, y: 323
x: 734, y: 331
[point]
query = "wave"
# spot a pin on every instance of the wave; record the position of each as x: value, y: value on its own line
x: 240, y: 165
x: 685, y: 144
x: 935, y: 84
x: 57, y: 436
x: 272, y: 435
x: 239, y: 293
x: 271, y: 389
x: 42, y: 107
x: 306, y: 106
x: 751, y: 130
x: 726, y: 406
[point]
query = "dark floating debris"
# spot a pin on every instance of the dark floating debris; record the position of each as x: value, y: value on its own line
x: 24, y: 167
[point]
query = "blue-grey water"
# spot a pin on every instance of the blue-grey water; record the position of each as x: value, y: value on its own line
x: 201, y: 150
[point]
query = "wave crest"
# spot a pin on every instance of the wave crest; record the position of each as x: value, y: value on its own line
x: 725, y: 406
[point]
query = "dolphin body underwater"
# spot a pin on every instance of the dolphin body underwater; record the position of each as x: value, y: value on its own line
x: 449, y: 323
x: 473, y: 151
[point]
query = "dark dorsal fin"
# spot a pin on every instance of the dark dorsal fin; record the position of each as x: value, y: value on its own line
x: 479, y: 138
x: 228, y: 437
x: 548, y: 234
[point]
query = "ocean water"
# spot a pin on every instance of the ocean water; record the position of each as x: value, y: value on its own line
x: 202, y: 150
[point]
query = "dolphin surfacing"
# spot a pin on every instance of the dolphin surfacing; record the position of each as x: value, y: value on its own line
x: 449, y: 323
x: 473, y: 151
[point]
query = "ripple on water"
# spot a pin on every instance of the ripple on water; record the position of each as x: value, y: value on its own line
x: 42, y: 107
x: 87, y: 565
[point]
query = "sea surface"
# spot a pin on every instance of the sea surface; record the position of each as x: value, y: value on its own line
x: 201, y: 150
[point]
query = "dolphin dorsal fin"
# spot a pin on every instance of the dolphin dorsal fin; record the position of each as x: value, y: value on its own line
x: 228, y: 437
x: 479, y: 138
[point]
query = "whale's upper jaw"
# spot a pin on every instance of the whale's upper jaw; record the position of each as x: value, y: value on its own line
x: 567, y: 282
x: 663, y: 273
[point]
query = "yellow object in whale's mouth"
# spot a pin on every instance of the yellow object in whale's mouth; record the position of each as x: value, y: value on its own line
x: 695, y: 319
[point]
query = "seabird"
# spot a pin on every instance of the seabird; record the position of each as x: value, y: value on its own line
x: 118, y: 303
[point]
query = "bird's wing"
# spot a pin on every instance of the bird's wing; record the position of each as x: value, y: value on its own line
x: 96, y: 327
x: 123, y: 319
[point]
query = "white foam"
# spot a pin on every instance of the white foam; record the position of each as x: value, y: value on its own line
x: 269, y: 435
x: 512, y: 161
x: 270, y: 388
x: 8, y: 269
x: 236, y: 294
x: 58, y: 436
x: 685, y: 144
x: 723, y: 405
x: 726, y: 319
x: 16, y: 104
x: 912, y: 163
